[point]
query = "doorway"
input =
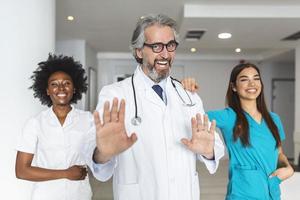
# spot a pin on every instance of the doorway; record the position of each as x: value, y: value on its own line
x: 283, y: 103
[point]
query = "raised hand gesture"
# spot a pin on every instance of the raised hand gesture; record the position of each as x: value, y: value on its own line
x: 111, y: 138
x: 203, y: 137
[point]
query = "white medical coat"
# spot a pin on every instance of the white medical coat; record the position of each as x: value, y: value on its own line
x: 59, y: 147
x: 158, y: 166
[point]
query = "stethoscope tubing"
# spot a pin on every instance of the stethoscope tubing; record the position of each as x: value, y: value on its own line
x: 136, y: 120
x: 184, y: 103
x: 134, y: 95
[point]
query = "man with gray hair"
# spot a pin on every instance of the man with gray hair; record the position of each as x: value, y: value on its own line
x: 151, y: 149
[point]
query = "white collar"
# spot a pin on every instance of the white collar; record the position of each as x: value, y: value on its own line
x: 149, y: 82
x: 69, y: 119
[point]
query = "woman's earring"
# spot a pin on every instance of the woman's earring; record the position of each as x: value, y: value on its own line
x: 232, y: 87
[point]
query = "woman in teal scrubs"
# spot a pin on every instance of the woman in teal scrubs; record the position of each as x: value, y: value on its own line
x: 253, y: 137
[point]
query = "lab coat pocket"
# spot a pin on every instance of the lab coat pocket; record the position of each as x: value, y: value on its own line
x: 248, y: 182
x: 274, y: 188
x: 195, y: 187
x: 129, y: 192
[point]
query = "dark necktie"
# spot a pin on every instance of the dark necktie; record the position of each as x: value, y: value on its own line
x: 158, y: 90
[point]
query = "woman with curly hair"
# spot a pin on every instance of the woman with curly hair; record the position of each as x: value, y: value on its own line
x: 52, y: 150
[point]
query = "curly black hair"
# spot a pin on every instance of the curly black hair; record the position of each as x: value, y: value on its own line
x: 53, y: 64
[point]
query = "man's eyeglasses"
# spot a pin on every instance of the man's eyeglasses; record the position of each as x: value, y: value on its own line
x: 159, y: 47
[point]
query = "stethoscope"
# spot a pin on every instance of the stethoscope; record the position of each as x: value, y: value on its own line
x: 137, y: 120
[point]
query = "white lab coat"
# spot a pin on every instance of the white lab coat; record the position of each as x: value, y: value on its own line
x: 158, y: 166
x: 59, y: 147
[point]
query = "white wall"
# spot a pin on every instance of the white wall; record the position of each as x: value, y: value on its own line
x: 28, y: 35
x: 297, y: 105
x: 110, y: 65
x: 75, y: 48
x: 90, y: 57
x: 213, y: 78
x: 91, y: 62
x: 270, y: 70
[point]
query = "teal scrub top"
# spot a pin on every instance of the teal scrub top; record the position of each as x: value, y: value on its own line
x: 250, y: 167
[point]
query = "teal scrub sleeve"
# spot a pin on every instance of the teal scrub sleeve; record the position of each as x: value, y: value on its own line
x: 221, y: 116
x: 279, y: 125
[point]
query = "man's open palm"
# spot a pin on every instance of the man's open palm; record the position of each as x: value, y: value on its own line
x: 111, y: 136
x: 203, y: 137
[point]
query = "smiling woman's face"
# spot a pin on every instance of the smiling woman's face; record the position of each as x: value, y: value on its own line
x: 248, y: 84
x: 60, y: 88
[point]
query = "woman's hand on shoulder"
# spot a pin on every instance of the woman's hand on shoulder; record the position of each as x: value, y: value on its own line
x: 190, y: 84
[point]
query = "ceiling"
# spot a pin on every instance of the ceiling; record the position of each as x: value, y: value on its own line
x: 257, y: 26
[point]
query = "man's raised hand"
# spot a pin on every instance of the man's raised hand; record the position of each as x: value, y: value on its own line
x: 111, y: 135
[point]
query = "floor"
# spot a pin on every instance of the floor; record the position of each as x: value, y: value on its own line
x: 213, y: 187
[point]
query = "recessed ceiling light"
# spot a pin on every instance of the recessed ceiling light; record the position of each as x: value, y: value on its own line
x: 193, y: 50
x: 238, y: 50
x: 70, y: 18
x: 224, y: 35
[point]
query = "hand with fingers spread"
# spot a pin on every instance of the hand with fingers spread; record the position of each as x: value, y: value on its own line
x: 111, y: 138
x: 190, y: 84
x: 76, y: 172
x: 203, y: 137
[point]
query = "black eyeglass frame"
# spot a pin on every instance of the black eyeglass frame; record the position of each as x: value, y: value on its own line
x: 162, y: 46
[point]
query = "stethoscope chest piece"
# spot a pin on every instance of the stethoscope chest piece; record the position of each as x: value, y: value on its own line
x: 136, y: 121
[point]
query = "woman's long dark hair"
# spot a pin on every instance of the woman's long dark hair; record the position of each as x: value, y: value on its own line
x: 241, y: 129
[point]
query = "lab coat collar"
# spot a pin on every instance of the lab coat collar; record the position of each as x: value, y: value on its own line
x: 53, y: 120
x: 144, y: 84
x: 150, y: 83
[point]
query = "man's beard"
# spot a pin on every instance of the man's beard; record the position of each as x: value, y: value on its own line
x: 153, y: 74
